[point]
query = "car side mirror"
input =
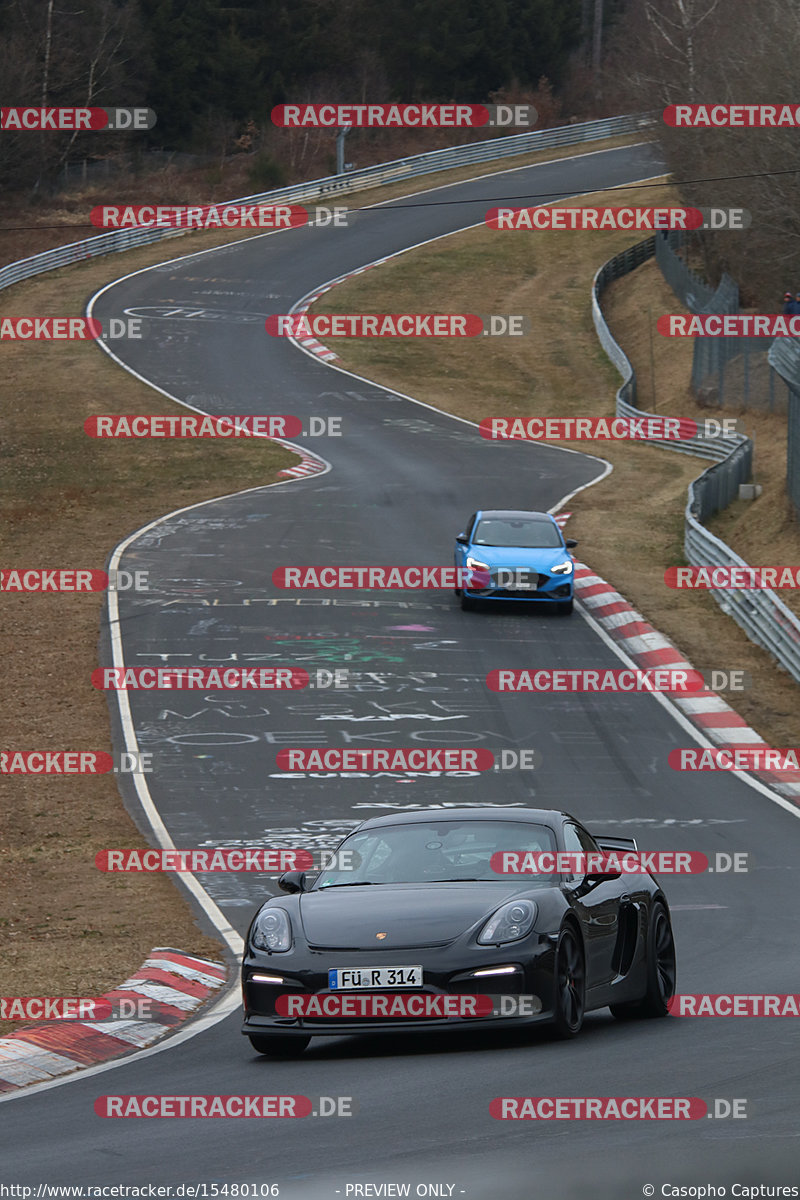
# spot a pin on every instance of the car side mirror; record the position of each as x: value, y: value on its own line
x: 463, y: 539
x: 292, y: 882
x: 594, y: 877
x: 570, y: 543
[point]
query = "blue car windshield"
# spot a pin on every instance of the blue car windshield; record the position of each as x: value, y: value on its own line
x: 527, y: 534
x: 436, y: 851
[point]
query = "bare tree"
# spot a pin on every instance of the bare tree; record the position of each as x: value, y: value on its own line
x: 674, y: 26
x: 702, y: 51
x: 56, y: 52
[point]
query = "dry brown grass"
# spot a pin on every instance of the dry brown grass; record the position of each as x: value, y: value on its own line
x: 66, y: 501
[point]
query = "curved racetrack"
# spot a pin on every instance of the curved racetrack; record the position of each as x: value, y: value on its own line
x: 403, y: 479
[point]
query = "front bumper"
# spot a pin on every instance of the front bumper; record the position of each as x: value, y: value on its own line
x: 550, y: 594
x: 533, y: 976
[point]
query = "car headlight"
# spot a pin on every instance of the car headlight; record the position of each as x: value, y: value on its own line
x: 562, y: 568
x: 475, y: 564
x: 272, y: 931
x: 510, y: 923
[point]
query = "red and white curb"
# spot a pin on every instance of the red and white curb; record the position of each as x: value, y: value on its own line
x: 308, y: 465
x: 648, y: 648
x: 174, y: 985
x: 313, y: 345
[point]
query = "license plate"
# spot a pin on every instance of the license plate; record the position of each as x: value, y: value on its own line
x: 344, y: 979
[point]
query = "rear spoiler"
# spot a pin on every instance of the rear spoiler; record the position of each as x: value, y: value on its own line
x: 616, y: 843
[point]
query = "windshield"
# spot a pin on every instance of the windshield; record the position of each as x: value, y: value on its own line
x: 526, y: 533
x: 427, y: 852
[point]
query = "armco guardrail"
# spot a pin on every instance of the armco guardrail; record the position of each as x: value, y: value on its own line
x: 716, y: 448
x: 762, y: 615
x: 342, y: 185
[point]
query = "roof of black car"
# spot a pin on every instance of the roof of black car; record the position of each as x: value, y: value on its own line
x: 500, y: 812
x: 514, y: 514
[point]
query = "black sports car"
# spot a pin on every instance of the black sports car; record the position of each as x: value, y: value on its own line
x: 425, y: 916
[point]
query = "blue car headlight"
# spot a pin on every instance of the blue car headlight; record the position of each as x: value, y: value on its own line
x: 272, y: 931
x: 510, y: 923
x: 562, y: 568
x: 475, y: 564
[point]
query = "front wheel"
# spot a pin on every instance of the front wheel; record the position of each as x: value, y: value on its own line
x: 661, y: 970
x: 565, y: 607
x: 570, y: 984
x: 278, y: 1047
x: 467, y: 603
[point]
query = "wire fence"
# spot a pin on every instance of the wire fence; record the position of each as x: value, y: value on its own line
x: 761, y: 614
x: 733, y: 372
x: 91, y: 170
x: 691, y: 288
x: 746, y: 373
x: 784, y: 359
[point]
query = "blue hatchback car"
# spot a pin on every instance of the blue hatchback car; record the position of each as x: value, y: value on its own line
x: 506, y: 554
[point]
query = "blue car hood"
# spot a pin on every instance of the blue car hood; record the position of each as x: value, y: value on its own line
x: 511, y: 556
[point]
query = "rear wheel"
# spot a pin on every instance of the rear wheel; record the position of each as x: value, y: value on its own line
x: 570, y: 984
x: 661, y: 971
x: 278, y: 1047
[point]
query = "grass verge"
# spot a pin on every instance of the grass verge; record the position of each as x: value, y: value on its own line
x: 66, y: 500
